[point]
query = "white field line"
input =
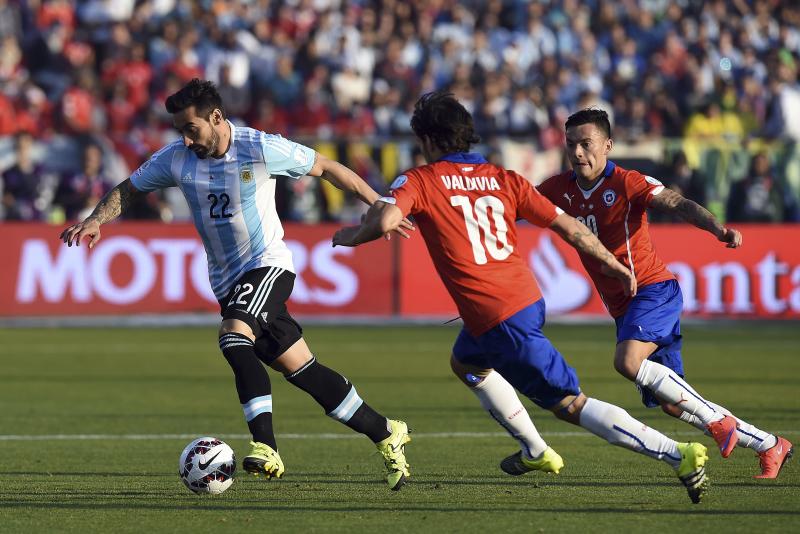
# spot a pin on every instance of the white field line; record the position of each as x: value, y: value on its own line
x: 325, y: 436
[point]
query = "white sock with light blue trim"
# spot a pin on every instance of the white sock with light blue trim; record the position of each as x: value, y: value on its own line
x: 617, y: 427
x: 669, y: 387
x: 747, y: 435
x: 499, y: 398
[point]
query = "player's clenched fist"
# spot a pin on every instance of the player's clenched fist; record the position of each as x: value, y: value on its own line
x: 732, y: 238
x: 75, y: 233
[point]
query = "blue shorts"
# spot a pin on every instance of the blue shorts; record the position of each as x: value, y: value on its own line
x: 517, y: 349
x: 654, y: 315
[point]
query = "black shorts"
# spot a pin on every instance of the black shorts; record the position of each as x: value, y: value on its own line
x: 258, y: 299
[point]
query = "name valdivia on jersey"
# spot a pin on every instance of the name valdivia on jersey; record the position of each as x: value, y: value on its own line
x: 471, y: 183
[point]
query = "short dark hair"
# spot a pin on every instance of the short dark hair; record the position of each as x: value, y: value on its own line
x: 595, y: 116
x: 443, y: 119
x: 202, y: 94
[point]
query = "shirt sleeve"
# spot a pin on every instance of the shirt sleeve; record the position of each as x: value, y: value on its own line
x: 155, y: 173
x: 286, y: 158
x: 535, y: 207
x: 641, y: 188
x: 406, y: 191
x: 547, y: 188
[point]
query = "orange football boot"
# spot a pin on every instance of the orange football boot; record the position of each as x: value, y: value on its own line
x: 724, y: 433
x: 772, y: 459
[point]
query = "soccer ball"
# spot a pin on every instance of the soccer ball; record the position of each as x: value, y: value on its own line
x: 207, y: 465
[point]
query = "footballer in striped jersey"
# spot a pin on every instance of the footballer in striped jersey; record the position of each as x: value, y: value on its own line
x: 227, y: 174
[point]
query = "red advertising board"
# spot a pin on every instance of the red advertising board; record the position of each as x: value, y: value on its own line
x: 160, y: 268
x: 154, y: 268
x: 761, y: 279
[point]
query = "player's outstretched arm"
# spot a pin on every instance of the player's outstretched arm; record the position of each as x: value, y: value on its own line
x: 579, y: 236
x: 109, y: 208
x: 382, y: 217
x: 674, y: 203
x: 343, y: 178
x: 346, y: 180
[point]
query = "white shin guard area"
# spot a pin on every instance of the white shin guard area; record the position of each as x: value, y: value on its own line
x: 499, y: 398
x: 669, y: 387
x: 616, y: 426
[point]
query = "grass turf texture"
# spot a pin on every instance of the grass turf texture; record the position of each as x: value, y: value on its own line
x: 174, y: 381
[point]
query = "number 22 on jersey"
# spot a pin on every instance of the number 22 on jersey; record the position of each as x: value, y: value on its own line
x: 477, y: 222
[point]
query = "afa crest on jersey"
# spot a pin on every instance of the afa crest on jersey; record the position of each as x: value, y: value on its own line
x: 246, y: 172
x: 609, y: 197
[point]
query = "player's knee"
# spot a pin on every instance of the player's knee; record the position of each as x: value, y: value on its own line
x: 235, y: 326
x: 671, y: 409
x: 293, y: 359
x: 469, y: 375
x: 569, y: 409
x: 456, y: 366
x: 238, y: 351
x: 627, y: 364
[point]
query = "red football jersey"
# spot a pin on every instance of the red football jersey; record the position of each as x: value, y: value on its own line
x: 466, y: 210
x: 615, y: 209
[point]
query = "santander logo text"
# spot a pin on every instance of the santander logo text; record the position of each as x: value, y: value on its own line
x: 764, y: 284
x: 772, y: 284
x: 175, y: 268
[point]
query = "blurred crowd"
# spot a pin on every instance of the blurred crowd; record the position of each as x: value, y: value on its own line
x: 98, y: 71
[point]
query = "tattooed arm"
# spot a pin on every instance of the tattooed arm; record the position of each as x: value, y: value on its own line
x: 671, y: 202
x: 583, y: 240
x: 109, y: 208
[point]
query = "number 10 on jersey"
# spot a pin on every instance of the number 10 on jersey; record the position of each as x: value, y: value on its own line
x: 477, y: 222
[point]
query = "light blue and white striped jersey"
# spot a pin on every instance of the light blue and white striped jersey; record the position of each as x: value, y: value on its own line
x: 232, y: 199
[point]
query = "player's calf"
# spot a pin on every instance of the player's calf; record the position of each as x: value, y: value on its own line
x: 340, y: 400
x: 617, y: 427
x: 629, y: 356
x: 252, y: 385
x: 501, y: 402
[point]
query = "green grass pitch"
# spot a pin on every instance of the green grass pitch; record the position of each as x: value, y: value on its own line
x: 123, y: 382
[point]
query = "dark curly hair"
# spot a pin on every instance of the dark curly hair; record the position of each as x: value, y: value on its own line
x: 595, y: 116
x: 443, y: 119
x: 201, y: 94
